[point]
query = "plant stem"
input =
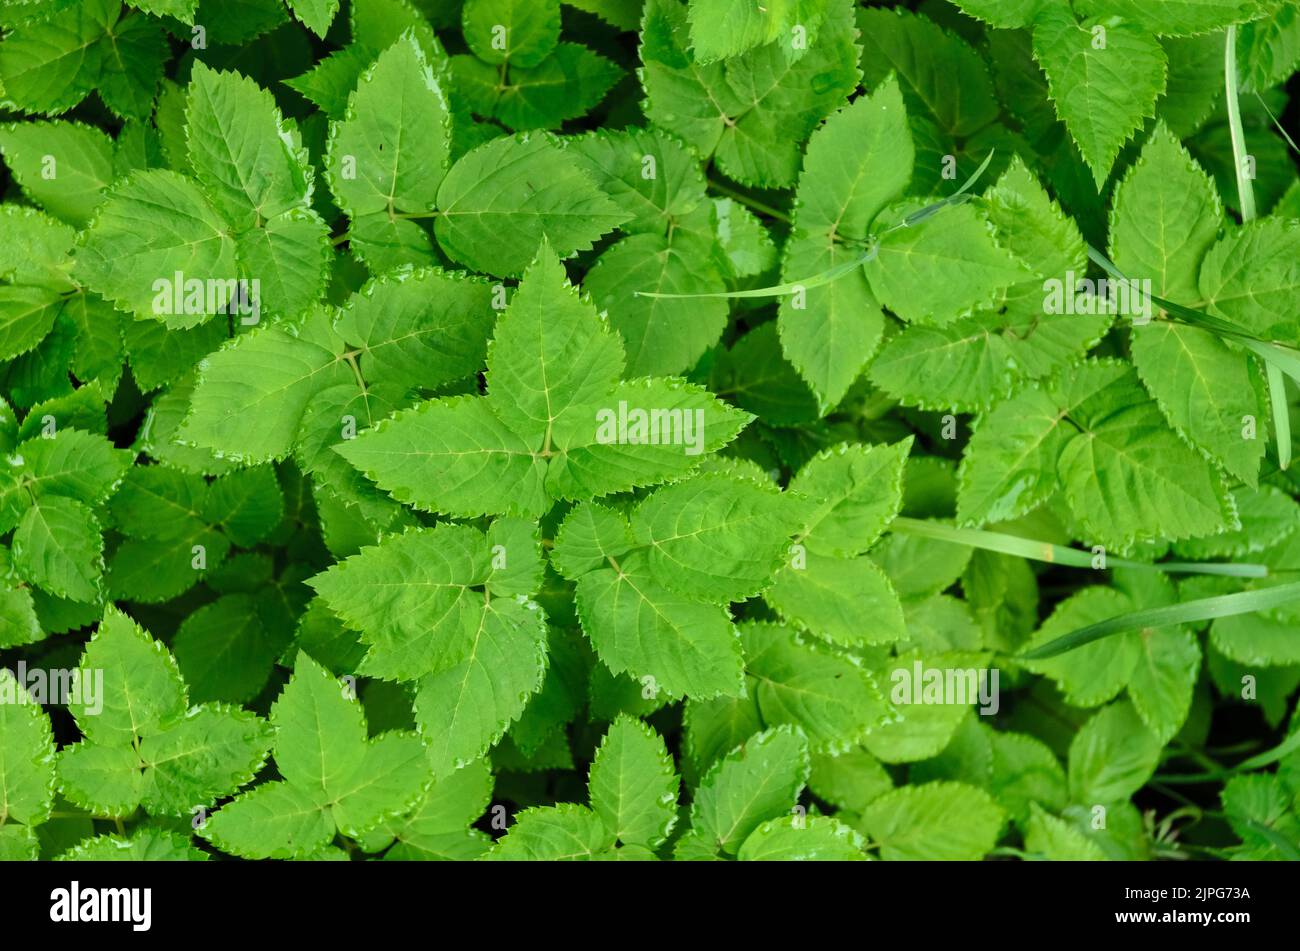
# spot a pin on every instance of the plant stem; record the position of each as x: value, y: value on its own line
x: 752, y: 204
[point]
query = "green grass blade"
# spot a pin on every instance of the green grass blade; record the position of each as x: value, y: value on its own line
x: 1281, y: 414
x: 1202, y: 609
x: 1245, y: 190
x: 1278, y: 125
x: 776, y: 290
x: 1061, y: 554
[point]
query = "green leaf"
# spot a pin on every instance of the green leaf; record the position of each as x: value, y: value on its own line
x: 73, y: 463
x: 757, y: 782
x: 1177, y: 17
x: 1269, y: 49
x: 973, y: 362
x: 1251, y: 277
x: 334, y: 776
x: 857, y: 489
x: 724, y: 28
x: 649, y: 174
x: 923, y: 723
x: 1057, y: 840
x: 27, y: 315
x: 1161, y: 684
x: 18, y: 843
x: 634, y: 784
x: 752, y: 111
x: 464, y: 710
x: 423, y: 327
x: 830, y: 696
x: 411, y: 598
x: 26, y: 755
x: 1008, y: 14
x: 941, y: 269
x: 639, y: 626
x: 1104, y: 79
x: 521, y: 32
x: 661, y: 335
x: 251, y: 394
x: 550, y: 356
x: 275, y: 820
x: 51, y: 65
x: 1167, y: 215
x: 316, y: 15
x: 35, y: 243
x: 145, y: 688
x: 144, y: 845
x: 153, y: 226
x: 933, y: 822
x: 1112, y: 756
x: 799, y: 839
x: 62, y: 166
x: 939, y: 72
x: 240, y: 149
x: 210, y: 753
x: 565, y: 85
x: 1206, y: 390
x: 1095, y: 674
x: 1009, y: 467
x: 18, y: 622
x: 633, y: 438
x: 134, y: 54
x: 436, y: 828
x: 713, y: 537
x: 500, y: 201
x: 588, y: 535
x: 565, y: 832
x: 227, y: 649
x: 550, y: 425
x: 825, y: 336
x: 143, y: 745
x: 829, y: 597
x: 1127, y: 476
x: 57, y: 546
x: 398, y: 103
x: 453, y: 456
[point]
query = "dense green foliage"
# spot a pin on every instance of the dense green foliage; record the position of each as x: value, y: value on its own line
x: 629, y: 430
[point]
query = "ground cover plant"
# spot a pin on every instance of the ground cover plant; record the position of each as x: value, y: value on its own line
x: 649, y: 429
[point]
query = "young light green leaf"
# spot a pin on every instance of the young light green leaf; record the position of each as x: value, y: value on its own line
x: 634, y: 785
x: 759, y: 781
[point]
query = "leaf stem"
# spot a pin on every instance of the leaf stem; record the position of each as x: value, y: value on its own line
x: 351, y: 358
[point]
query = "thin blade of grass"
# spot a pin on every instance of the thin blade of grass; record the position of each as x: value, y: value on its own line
x: 1281, y: 414
x: 1278, y: 125
x: 1202, y: 609
x: 1061, y: 554
x: 1245, y: 190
